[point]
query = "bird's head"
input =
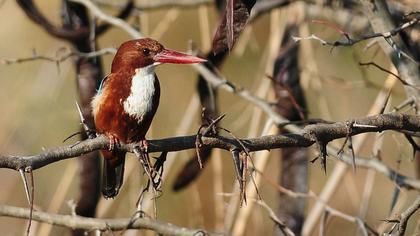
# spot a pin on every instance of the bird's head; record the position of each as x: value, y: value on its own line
x: 140, y: 53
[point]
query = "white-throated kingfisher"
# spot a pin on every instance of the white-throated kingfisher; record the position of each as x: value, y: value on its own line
x: 127, y: 101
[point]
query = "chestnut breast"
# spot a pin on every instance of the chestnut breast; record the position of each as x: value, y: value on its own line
x: 127, y: 104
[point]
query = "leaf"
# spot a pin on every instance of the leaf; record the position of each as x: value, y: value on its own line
x: 229, y: 23
x: 233, y: 22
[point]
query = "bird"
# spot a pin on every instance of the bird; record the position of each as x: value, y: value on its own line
x: 127, y: 100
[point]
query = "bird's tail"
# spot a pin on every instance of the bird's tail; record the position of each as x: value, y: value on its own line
x: 113, y: 173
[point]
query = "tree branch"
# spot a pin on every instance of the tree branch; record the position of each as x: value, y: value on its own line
x: 157, y: 4
x: 309, y: 135
x: 284, y: 229
x: 348, y: 41
x: 405, y: 216
x: 36, y: 16
x: 89, y: 224
x: 68, y: 53
x: 311, y: 195
x: 109, y: 19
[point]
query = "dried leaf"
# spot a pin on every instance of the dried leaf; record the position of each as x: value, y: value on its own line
x: 233, y: 22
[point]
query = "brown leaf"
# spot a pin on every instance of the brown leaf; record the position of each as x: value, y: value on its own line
x: 233, y: 22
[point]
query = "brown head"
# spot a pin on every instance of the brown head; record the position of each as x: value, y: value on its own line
x: 139, y: 53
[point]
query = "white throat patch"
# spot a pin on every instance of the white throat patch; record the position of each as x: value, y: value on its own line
x: 140, y: 100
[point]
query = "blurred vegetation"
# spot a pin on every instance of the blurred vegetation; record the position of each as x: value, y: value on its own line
x: 37, y: 100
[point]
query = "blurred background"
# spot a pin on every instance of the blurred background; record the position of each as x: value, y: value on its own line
x: 37, y: 100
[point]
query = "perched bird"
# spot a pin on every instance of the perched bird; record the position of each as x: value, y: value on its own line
x: 127, y: 101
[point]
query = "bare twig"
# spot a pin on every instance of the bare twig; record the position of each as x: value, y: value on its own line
x: 157, y: 4
x: 381, y: 20
x: 59, y: 58
x: 74, y: 34
x: 405, y: 216
x: 389, y: 72
x: 416, y: 147
x: 89, y: 224
x: 222, y: 83
x: 330, y: 210
x: 402, y: 220
x: 109, y: 19
x: 206, y: 129
x: 351, y: 41
x: 284, y: 229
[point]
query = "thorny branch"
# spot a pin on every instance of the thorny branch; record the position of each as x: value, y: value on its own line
x: 89, y: 224
x: 402, y: 220
x: 219, y: 82
x: 232, y: 143
x: 308, y: 136
x: 405, y: 216
x: 348, y: 41
x: 328, y: 209
x: 283, y: 228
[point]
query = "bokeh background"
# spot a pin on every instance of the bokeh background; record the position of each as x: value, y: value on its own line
x: 37, y: 101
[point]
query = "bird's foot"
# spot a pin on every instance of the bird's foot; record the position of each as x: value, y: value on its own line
x: 113, y: 142
x: 144, y: 145
x: 152, y: 171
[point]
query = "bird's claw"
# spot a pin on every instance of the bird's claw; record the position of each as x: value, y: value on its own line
x: 144, y: 146
x: 113, y: 142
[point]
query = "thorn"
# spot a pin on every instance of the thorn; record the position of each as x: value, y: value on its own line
x: 82, y: 119
x: 313, y: 160
x: 31, y: 209
x: 72, y: 205
x: 364, y: 126
x: 25, y: 183
x: 353, y: 157
x: 71, y: 136
x: 386, y: 102
x: 90, y: 133
x: 323, y: 154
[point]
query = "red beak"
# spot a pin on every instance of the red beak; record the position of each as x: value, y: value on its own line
x: 170, y: 56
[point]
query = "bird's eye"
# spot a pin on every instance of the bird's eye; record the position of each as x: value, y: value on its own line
x: 146, y: 51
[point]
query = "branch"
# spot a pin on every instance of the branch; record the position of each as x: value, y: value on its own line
x: 380, y: 167
x: 89, y: 224
x: 36, y: 16
x: 157, y: 4
x: 309, y: 135
x: 59, y: 58
x: 262, y: 7
x: 389, y: 72
x: 311, y: 195
x: 218, y: 82
x: 284, y: 229
x: 405, y: 216
x: 348, y: 41
x: 381, y: 20
x: 109, y: 19
x: 221, y: 83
